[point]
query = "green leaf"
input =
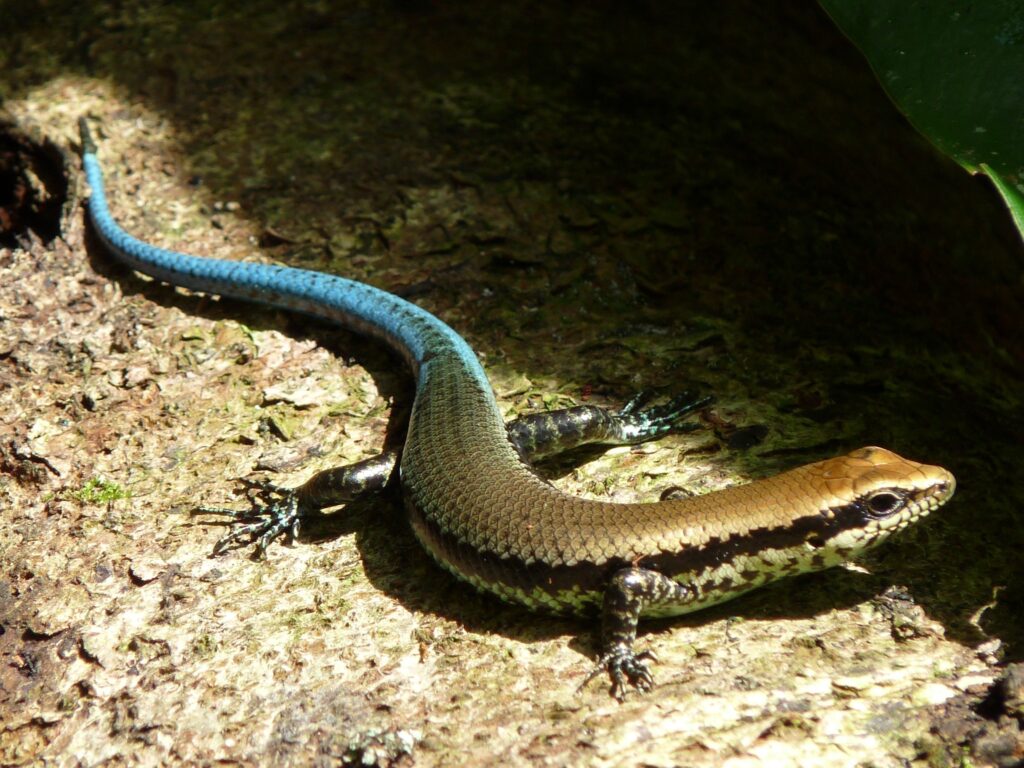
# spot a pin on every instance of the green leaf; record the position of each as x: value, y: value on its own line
x: 956, y: 69
x: 1011, y: 194
x: 98, y: 491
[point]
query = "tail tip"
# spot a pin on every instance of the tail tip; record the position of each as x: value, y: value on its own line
x: 88, y: 145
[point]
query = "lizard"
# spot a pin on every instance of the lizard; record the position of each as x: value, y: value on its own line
x: 480, y: 510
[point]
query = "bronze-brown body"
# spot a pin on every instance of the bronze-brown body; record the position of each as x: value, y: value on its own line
x: 486, y: 516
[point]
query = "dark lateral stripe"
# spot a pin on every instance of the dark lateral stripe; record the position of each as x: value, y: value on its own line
x: 813, y: 529
x: 505, y: 575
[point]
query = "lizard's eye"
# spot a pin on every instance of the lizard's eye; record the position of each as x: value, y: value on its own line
x: 883, y: 503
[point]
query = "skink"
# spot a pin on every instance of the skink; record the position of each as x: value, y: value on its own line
x: 480, y: 510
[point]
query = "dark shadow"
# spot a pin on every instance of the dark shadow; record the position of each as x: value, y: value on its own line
x: 33, y: 186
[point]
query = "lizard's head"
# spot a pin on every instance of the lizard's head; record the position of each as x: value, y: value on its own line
x: 874, y: 493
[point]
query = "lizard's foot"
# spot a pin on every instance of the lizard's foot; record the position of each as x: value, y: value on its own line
x: 639, y: 424
x: 275, y: 511
x: 625, y: 668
